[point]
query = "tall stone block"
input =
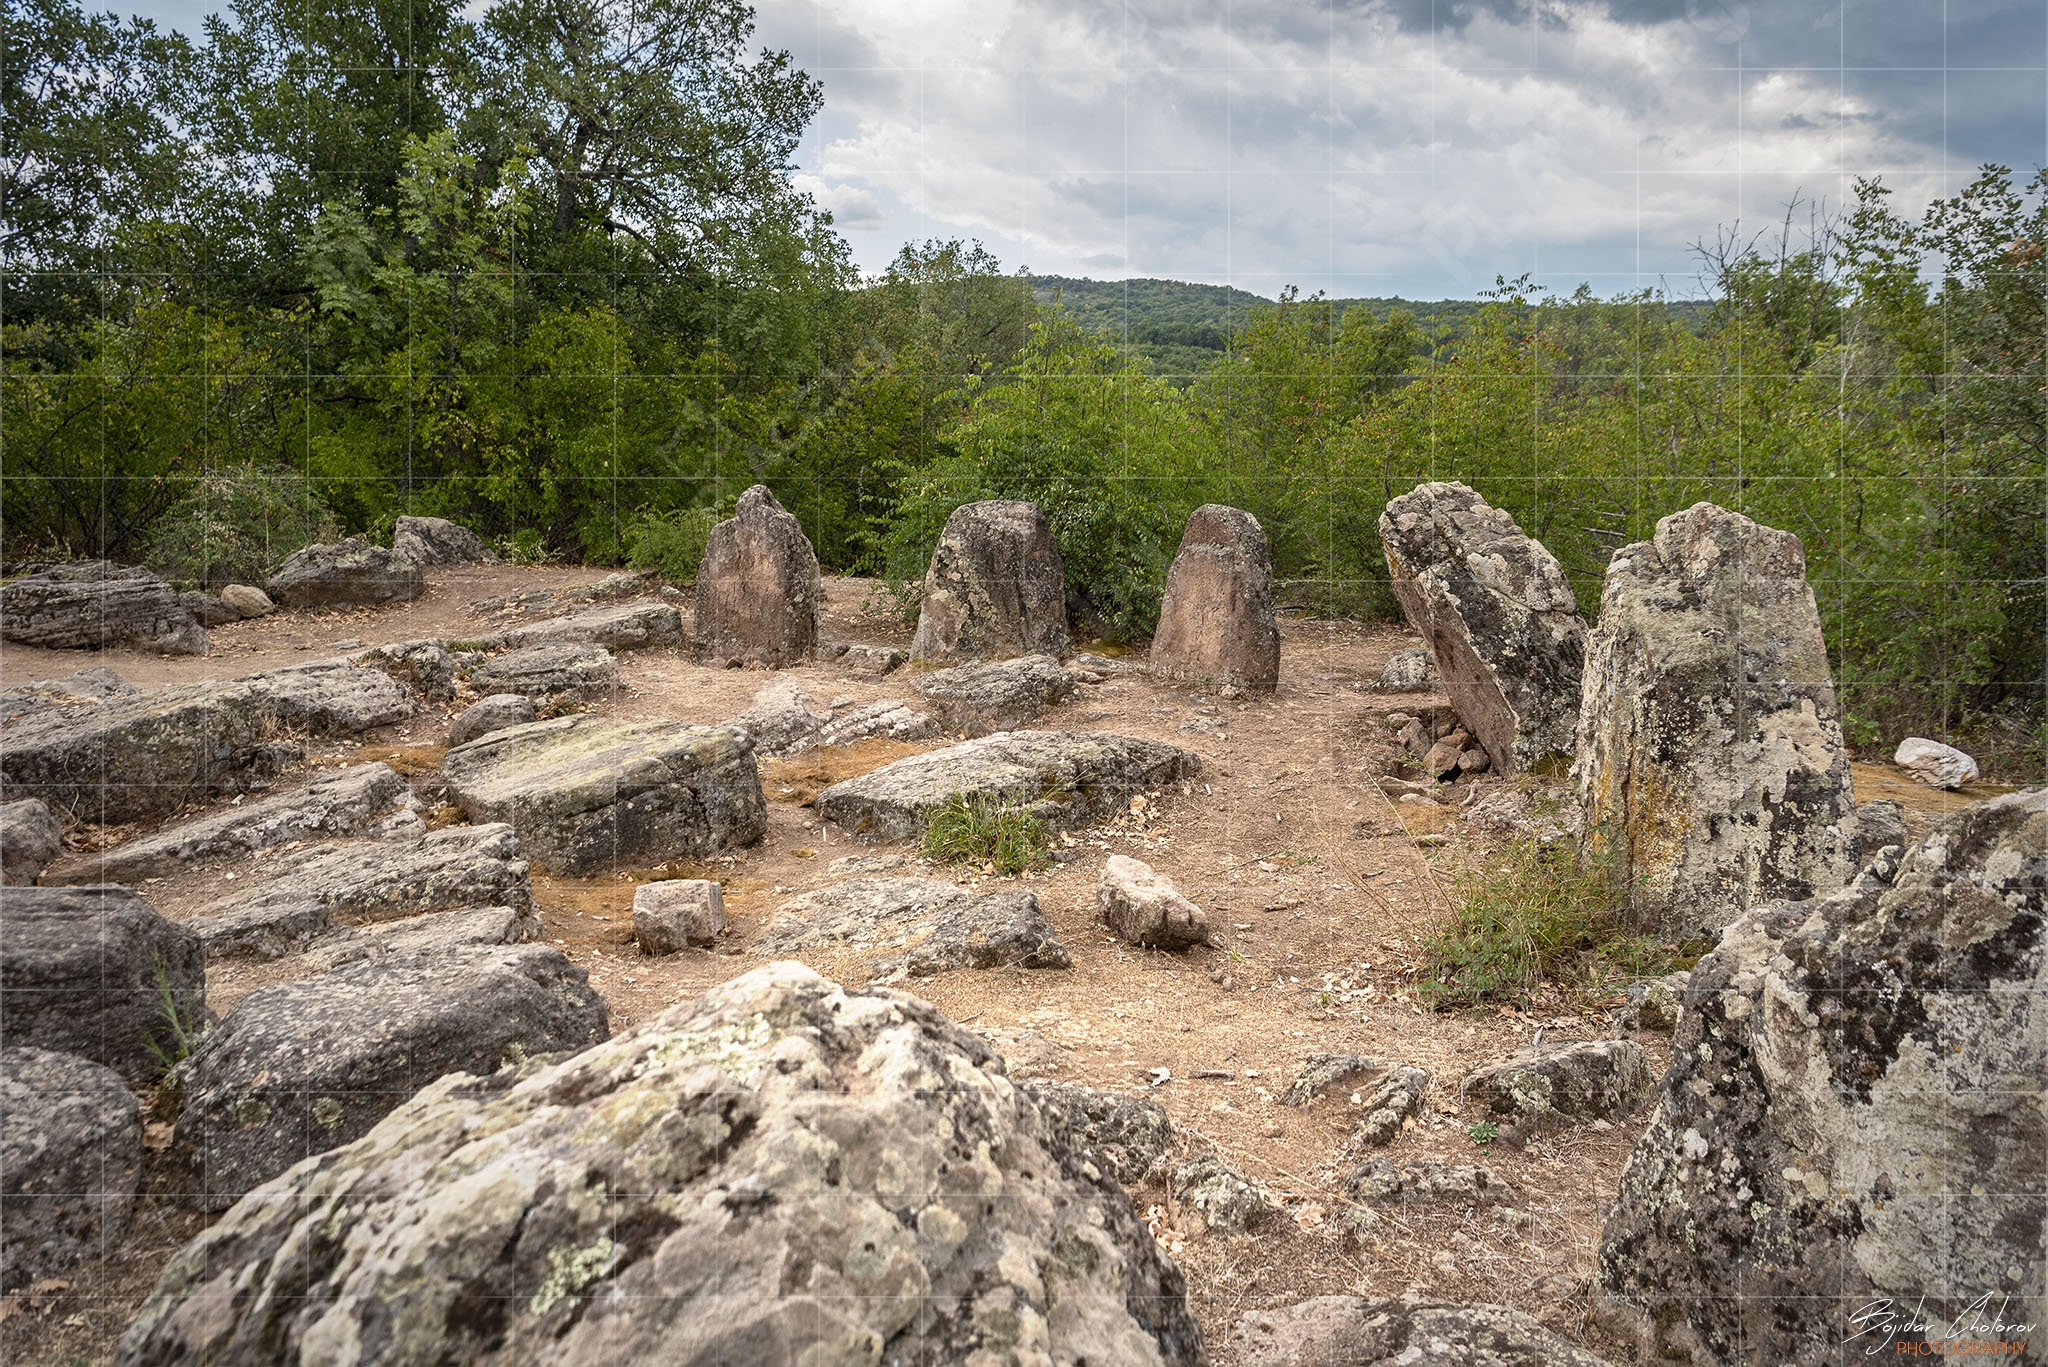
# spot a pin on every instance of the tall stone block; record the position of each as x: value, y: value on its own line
x: 1216, y: 621
x: 996, y: 587
x: 1498, y: 616
x: 1709, y: 744
x: 758, y: 592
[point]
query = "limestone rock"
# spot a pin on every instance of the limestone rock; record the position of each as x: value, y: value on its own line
x: 86, y: 971
x: 1498, y: 616
x: 70, y: 1162
x: 999, y: 695
x: 487, y: 715
x: 346, y: 573
x: 677, y: 912
x: 30, y: 839
x: 781, y: 720
x: 1216, y: 621
x: 759, y: 597
x: 646, y: 1200
x: 1562, y: 1085
x: 1142, y: 906
x: 1125, y: 1137
x: 883, y: 720
x: 1379, y: 1181
x: 1320, y: 1072
x: 1067, y: 778
x: 1709, y: 741
x: 436, y: 932
x: 435, y: 541
x: 1351, y: 1331
x: 995, y: 588
x: 551, y: 669
x: 341, y: 802
x: 247, y: 601
x: 586, y: 793
x: 622, y: 626
x: 94, y: 604
x: 1408, y: 672
x: 1395, y: 1100
x: 302, y: 1067
x: 1227, y: 1202
x: 1853, y: 1110
x: 1935, y: 764
x: 920, y: 926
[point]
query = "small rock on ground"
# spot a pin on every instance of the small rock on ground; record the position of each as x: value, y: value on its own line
x: 676, y: 913
x: 1142, y: 906
x: 1350, y: 1331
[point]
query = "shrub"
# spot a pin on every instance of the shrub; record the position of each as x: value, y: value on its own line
x: 983, y: 830
x: 235, y: 526
x: 671, y: 543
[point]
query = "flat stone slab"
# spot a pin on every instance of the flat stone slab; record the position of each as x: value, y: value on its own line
x: 1351, y: 1331
x: 70, y: 1162
x: 622, y: 626
x: 96, y: 603
x: 586, y: 793
x: 1067, y: 778
x: 436, y: 931
x: 920, y: 926
x: 552, y: 667
x: 1000, y: 695
x: 1381, y: 1181
x: 1562, y: 1085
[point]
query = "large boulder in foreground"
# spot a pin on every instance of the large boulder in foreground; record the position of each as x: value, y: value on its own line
x: 347, y: 573
x: 301, y: 1067
x: 70, y: 1162
x: 97, y: 972
x: 995, y: 587
x: 1710, y: 754
x: 759, y: 596
x: 779, y: 1171
x: 1498, y: 616
x: 586, y: 793
x: 433, y: 541
x: 1853, y: 1112
x: 94, y: 604
x: 1068, y: 778
x: 1354, y: 1331
x: 1216, y: 621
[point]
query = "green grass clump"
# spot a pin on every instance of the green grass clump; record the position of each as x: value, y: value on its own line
x: 980, y: 829
x: 184, y: 1030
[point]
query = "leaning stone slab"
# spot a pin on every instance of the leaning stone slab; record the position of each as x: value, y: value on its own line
x: 995, y: 588
x: 94, y: 604
x: 551, y: 669
x: 646, y: 1200
x: 1710, y: 747
x: 622, y: 626
x: 346, y: 573
x: 70, y: 1163
x: 89, y: 971
x: 1563, y: 1085
x: 342, y: 802
x: 1498, y: 616
x: 303, y: 1067
x: 1351, y: 1331
x: 31, y: 838
x: 1000, y: 695
x: 1216, y: 622
x: 759, y: 597
x: 920, y: 926
x: 586, y: 793
x: 1065, y: 777
x: 435, y: 541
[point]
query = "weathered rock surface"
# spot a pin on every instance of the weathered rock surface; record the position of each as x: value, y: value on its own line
x: 999, y: 695
x: 341, y: 802
x: 920, y: 926
x: 301, y: 1067
x: 86, y: 971
x: 648, y: 1200
x: 248, y: 601
x: 1394, y: 1100
x: 676, y: 913
x: 622, y: 626
x: 435, y: 541
x: 586, y: 793
x: 424, y: 666
x: 134, y: 753
x: 543, y: 671
x: 1228, y: 1203
x: 883, y: 720
x: 70, y: 1162
x: 1654, y: 1004
x: 1935, y: 764
x: 208, y: 610
x: 995, y: 587
x: 1408, y: 672
x: 1380, y: 1181
x: 1853, y: 1110
x: 94, y: 604
x: 1710, y: 747
x: 436, y: 932
x: 1064, y: 777
x: 871, y: 660
x: 31, y: 838
x: 1349, y: 1331
x: 759, y: 597
x: 1879, y: 822
x: 298, y: 898
x: 1143, y: 907
x: 1562, y: 1085
x: 1125, y: 1137
x: 346, y: 573
x: 1216, y: 621
x: 1320, y: 1072
x: 1498, y: 616
x: 782, y: 720
x: 497, y: 712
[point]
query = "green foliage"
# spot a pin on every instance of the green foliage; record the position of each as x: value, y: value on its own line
x: 1483, y: 1133
x: 979, y: 829
x: 236, y: 526
x: 183, y: 1029
x: 671, y: 543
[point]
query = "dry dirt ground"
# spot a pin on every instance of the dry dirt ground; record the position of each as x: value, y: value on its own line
x: 1312, y: 876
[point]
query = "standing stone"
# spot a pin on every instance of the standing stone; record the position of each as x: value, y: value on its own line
x: 758, y: 593
x: 1216, y: 622
x: 31, y: 838
x: 1853, y: 1113
x: 1498, y: 616
x: 70, y: 1162
x: 431, y: 541
x: 96, y: 603
x: 1709, y: 744
x: 995, y: 588
x: 677, y: 913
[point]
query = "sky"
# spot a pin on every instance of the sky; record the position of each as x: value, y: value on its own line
x: 1418, y: 148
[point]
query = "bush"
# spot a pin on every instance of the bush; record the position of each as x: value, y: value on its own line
x: 671, y: 543
x: 982, y: 830
x: 236, y: 526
